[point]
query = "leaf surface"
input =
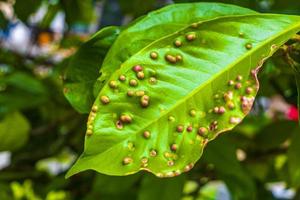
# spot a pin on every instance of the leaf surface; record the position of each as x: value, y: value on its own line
x: 83, y: 69
x: 192, y: 93
x: 157, y: 24
x: 14, y: 131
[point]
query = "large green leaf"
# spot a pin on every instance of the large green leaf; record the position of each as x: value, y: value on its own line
x: 165, y: 130
x: 157, y: 24
x: 14, y: 131
x: 83, y: 69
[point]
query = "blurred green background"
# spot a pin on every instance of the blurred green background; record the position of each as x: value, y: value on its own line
x: 41, y: 134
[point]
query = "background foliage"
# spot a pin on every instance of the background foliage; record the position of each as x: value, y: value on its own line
x: 42, y: 133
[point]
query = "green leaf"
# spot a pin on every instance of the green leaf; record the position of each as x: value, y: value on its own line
x: 14, y: 131
x: 276, y: 131
x: 83, y: 69
x: 24, y: 8
x: 222, y: 154
x: 21, y: 90
x: 78, y: 12
x: 166, y: 189
x: 137, y: 7
x: 109, y: 187
x: 293, y: 158
x: 165, y: 130
x: 3, y: 21
x: 157, y: 24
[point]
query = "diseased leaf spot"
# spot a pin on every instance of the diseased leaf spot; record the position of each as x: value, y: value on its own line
x: 213, y: 126
x: 249, y: 90
x: 127, y: 160
x: 140, y: 93
x: 190, y: 36
x: 188, y: 167
x: 146, y: 134
x: 153, y: 153
x: 239, y: 78
x: 119, y: 124
x: 113, y: 84
x: 177, y: 43
x: 179, y: 128
x: 248, y: 46
x: 219, y: 110
x: 170, y: 58
x: 140, y: 75
x: 247, y: 103
x: 174, y: 147
x: 144, y: 162
x: 89, y: 132
x: 170, y: 163
x: 202, y: 131
x: 189, y: 128
x: 153, y: 55
x: 234, y: 120
x: 122, y: 78
x: 152, y: 80
x: 193, y: 113
x: 104, y: 99
x: 126, y: 118
x: 231, y: 82
x: 94, y: 108
x: 178, y: 58
x: 133, y: 83
x: 131, y: 146
x: 230, y: 105
x: 238, y: 86
x: 228, y: 96
x: 130, y: 93
x: 137, y: 68
x: 145, y: 101
x: 194, y: 25
x: 171, y: 118
x: 167, y: 155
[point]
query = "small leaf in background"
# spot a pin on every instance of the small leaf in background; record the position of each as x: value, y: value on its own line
x: 24, y: 8
x: 293, y: 158
x: 222, y: 154
x: 273, y: 135
x: 166, y: 189
x: 17, y: 95
x: 3, y: 21
x: 78, y: 12
x: 83, y: 69
x: 114, y: 188
x: 137, y: 7
x: 14, y: 131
